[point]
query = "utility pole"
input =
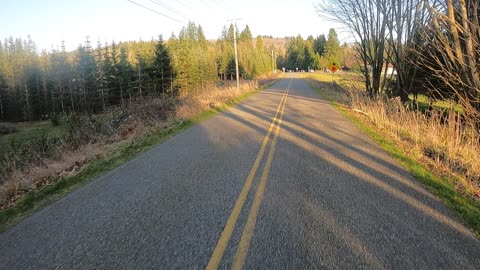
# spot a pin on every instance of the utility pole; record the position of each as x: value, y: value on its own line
x: 276, y: 68
x: 274, y: 62
x: 236, y: 53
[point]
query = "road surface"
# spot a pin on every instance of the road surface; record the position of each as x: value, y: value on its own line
x: 280, y: 181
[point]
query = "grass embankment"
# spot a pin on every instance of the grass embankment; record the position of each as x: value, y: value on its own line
x: 26, y: 132
x: 423, y: 103
x: 442, y: 153
x: 119, y: 153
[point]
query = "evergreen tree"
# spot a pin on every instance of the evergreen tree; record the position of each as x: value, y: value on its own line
x: 33, y: 107
x: 201, y: 37
x: 113, y: 74
x: 49, y: 95
x: 125, y: 73
x: 262, y: 61
x: 34, y: 85
x: 246, y: 34
x: 102, y: 61
x: 319, y: 45
x: 163, y: 66
x: 3, y: 97
x: 332, y: 47
x: 296, y: 53
x: 86, y: 77
x: 141, y: 75
x: 67, y: 75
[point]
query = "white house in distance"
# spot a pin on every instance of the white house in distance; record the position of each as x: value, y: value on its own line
x: 389, y: 70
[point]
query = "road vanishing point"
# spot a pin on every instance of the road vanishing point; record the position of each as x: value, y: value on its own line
x: 279, y: 181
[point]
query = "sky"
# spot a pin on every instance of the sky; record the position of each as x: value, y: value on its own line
x: 48, y: 22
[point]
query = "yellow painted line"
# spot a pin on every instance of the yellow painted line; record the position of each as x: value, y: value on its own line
x: 232, y: 220
x: 244, y: 244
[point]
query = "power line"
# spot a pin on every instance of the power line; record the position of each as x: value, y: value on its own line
x: 225, y: 5
x: 166, y: 16
x: 188, y: 15
x: 180, y: 2
x: 169, y: 8
x: 205, y: 3
x: 216, y: 2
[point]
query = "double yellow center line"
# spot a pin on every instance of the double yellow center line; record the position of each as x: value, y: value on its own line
x: 242, y: 250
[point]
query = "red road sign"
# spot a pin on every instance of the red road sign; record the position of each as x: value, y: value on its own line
x: 333, y: 68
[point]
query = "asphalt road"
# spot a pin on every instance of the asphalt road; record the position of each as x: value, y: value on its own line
x: 280, y: 181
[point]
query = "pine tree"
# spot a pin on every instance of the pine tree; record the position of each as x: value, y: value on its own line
x: 246, y: 34
x: 140, y: 83
x: 332, y: 47
x: 124, y: 76
x: 163, y: 66
x: 30, y: 80
x: 102, y: 60
x: 3, y: 97
x: 112, y: 75
x: 319, y: 45
x: 67, y: 75
x: 202, y: 40
x: 86, y: 76
x: 50, y: 92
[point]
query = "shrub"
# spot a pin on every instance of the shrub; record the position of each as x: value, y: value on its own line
x: 6, y: 128
x: 55, y: 120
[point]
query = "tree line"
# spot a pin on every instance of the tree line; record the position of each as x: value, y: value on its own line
x: 432, y: 44
x: 35, y: 86
x: 317, y: 53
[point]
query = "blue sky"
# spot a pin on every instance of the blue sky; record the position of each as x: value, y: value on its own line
x: 51, y: 21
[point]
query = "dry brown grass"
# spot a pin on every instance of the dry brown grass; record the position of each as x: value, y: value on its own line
x: 38, y: 176
x: 211, y: 97
x: 122, y: 125
x: 442, y: 140
x: 86, y: 139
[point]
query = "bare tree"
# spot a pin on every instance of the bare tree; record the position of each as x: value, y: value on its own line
x: 406, y: 19
x: 454, y: 41
x: 368, y: 25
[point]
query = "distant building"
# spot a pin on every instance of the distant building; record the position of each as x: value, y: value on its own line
x: 389, y: 70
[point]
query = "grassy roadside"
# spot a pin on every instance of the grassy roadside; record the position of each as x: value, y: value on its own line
x: 37, y: 199
x: 28, y: 132
x: 466, y: 208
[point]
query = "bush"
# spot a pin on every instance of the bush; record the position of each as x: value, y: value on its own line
x: 80, y: 130
x: 6, y: 128
x: 55, y: 120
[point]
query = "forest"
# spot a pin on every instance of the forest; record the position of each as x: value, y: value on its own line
x: 38, y: 86
x: 318, y: 53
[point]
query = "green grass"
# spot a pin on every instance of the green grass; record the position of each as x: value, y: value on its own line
x: 27, y: 132
x: 424, y: 103
x: 350, y: 80
x: 35, y: 200
x: 324, y: 77
x: 353, y: 80
x: 466, y: 208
